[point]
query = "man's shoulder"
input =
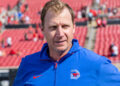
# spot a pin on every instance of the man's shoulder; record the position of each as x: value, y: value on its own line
x: 30, y: 61
x: 90, y: 60
x: 88, y: 54
x: 92, y: 57
x: 32, y: 57
x: 36, y: 54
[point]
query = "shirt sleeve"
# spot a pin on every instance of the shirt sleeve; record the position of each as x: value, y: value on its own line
x: 19, y: 79
x: 109, y: 75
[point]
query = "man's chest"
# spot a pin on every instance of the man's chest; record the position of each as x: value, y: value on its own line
x: 63, y: 75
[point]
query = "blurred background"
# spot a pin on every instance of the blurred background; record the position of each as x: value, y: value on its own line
x: 97, y: 29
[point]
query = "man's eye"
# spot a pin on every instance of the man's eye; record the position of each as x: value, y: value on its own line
x: 65, y: 26
x: 53, y: 27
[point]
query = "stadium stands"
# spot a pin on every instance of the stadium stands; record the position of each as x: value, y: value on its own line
x: 18, y: 43
x: 111, y: 3
x: 36, y: 6
x: 80, y: 34
x: 104, y: 38
x: 28, y: 47
x: 5, y: 3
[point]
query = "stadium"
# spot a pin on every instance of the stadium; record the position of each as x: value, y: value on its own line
x: 97, y: 29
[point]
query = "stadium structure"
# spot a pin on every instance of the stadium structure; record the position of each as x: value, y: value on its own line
x: 97, y: 27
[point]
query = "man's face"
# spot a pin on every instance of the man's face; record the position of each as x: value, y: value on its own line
x: 58, y: 30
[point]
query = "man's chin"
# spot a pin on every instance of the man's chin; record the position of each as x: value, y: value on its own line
x: 61, y: 49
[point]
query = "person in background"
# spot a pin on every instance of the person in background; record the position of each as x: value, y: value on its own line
x: 104, y: 22
x: 99, y: 22
x: 26, y: 36
x: 2, y: 53
x: 9, y: 41
x: 35, y: 36
x: 114, y: 50
x: 3, y: 43
x: 30, y: 29
x: 14, y: 52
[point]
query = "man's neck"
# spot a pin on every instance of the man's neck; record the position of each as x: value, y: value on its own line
x: 57, y: 55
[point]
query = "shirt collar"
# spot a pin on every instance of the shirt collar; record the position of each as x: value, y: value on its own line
x: 45, y: 56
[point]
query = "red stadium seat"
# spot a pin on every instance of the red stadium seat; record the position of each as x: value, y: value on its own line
x: 104, y: 38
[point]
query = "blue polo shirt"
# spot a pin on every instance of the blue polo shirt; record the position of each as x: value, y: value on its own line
x: 79, y: 67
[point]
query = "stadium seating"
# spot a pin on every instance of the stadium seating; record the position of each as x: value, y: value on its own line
x: 28, y: 47
x: 5, y: 3
x: 18, y: 43
x: 104, y: 38
x: 80, y: 34
x: 35, y: 6
x: 111, y: 3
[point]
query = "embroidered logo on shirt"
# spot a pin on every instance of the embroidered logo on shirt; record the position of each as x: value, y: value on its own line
x: 34, y: 77
x: 75, y: 74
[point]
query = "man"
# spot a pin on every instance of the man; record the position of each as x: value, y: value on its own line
x: 62, y: 62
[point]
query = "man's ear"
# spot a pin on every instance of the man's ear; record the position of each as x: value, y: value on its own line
x: 74, y: 28
x: 42, y: 30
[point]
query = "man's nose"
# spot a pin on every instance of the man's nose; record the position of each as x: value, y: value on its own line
x: 59, y: 31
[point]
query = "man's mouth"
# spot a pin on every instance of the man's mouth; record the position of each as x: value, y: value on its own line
x: 60, y: 42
